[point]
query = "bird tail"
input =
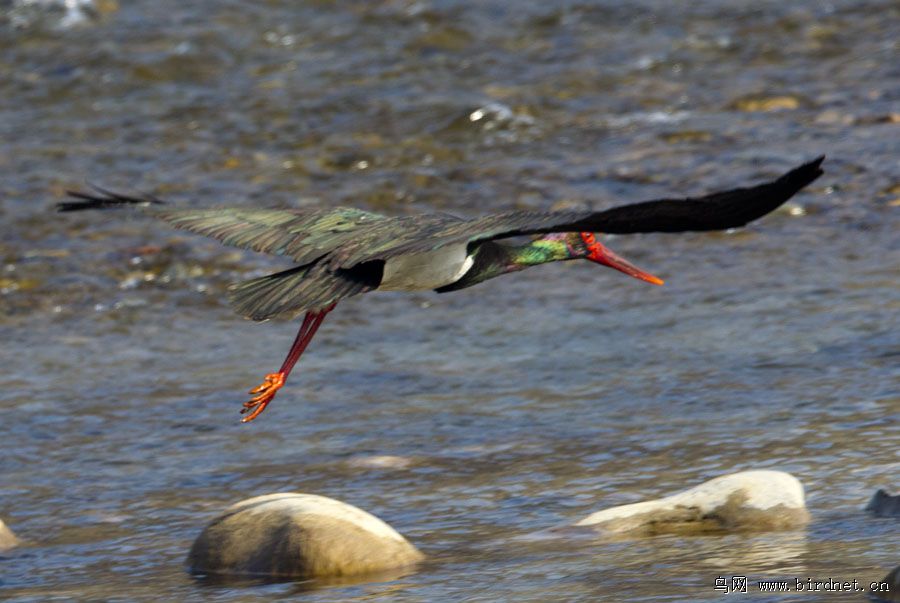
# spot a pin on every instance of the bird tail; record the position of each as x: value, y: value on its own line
x: 101, y: 198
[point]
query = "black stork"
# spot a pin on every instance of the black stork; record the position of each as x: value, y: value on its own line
x: 340, y: 252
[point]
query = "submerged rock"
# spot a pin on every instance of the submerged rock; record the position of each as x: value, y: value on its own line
x: 884, y: 505
x: 300, y: 536
x: 7, y: 539
x: 381, y: 461
x: 766, y: 103
x: 888, y: 590
x: 749, y: 500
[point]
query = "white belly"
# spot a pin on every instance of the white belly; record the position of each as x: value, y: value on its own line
x: 426, y: 271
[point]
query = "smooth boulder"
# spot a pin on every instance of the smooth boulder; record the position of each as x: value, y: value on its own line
x: 299, y: 536
x: 749, y: 500
x: 7, y: 539
x: 884, y: 505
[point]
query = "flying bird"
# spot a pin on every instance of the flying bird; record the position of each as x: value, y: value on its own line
x: 340, y: 252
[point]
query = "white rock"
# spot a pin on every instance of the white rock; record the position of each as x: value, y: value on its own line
x: 7, y: 539
x: 749, y: 500
x: 298, y: 535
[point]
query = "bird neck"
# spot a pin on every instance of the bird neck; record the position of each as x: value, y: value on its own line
x: 551, y: 248
x: 493, y: 258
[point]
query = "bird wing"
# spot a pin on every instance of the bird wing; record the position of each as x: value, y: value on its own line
x: 324, y: 281
x: 717, y: 211
x: 308, y: 288
x: 308, y: 236
x: 391, y: 237
x: 311, y: 238
x: 303, y: 235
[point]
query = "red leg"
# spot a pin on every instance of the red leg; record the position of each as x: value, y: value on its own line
x: 265, y: 392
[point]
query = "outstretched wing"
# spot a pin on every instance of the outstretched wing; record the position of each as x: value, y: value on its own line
x: 303, y: 235
x: 717, y: 211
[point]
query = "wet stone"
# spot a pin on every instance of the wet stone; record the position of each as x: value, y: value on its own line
x: 884, y: 504
x: 888, y: 590
x: 754, y: 104
x: 299, y: 536
x: 745, y: 501
x: 7, y: 539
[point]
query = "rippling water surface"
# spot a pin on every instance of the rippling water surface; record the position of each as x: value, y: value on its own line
x: 518, y: 405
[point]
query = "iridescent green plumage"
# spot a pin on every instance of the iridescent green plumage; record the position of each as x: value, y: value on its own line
x: 542, y: 251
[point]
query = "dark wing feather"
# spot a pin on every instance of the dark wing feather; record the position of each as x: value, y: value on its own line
x: 301, y: 234
x: 306, y: 235
x: 389, y: 237
x: 301, y: 289
x: 717, y: 211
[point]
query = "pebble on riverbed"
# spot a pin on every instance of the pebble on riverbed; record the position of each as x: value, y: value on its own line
x: 299, y: 536
x: 749, y: 500
x: 7, y: 539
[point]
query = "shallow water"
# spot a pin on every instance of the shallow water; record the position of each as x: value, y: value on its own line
x: 518, y: 405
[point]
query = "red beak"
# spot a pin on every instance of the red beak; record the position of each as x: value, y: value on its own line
x: 599, y: 253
